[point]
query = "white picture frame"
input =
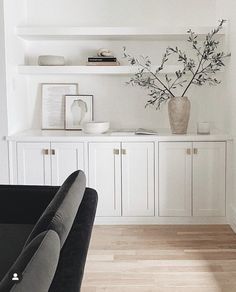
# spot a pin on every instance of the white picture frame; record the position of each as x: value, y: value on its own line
x: 53, y: 104
x: 78, y: 109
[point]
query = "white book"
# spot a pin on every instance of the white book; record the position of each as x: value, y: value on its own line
x: 142, y: 131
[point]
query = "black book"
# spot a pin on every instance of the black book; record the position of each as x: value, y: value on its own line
x: 102, y: 59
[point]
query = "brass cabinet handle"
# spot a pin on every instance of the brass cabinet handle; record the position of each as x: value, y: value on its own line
x: 45, y: 151
x: 116, y: 151
x: 188, y: 151
x: 124, y: 151
x: 195, y: 151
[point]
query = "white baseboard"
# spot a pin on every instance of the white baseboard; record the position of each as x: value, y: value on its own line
x: 232, y: 218
x: 160, y: 220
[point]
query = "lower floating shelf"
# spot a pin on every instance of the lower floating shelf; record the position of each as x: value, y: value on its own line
x: 101, y: 70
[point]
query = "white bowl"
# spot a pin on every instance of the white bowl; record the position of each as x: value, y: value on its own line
x: 96, y: 127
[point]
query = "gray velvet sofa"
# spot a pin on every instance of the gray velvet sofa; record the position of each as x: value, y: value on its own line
x: 44, y: 235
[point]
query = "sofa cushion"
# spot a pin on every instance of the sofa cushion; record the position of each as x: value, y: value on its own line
x: 60, y: 213
x: 70, y: 268
x: 12, y: 240
x: 34, y: 269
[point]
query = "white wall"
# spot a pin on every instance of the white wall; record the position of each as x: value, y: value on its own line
x: 14, y: 15
x: 4, y: 175
x: 114, y: 101
x: 227, y: 10
x: 121, y: 13
x: 122, y: 105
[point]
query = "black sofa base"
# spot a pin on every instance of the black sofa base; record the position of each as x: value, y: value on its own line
x: 20, y: 209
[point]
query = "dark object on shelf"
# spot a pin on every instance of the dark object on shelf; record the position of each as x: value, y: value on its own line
x: 45, y: 233
x: 102, y: 59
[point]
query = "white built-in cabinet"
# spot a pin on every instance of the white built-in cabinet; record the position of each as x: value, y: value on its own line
x: 138, y: 179
x: 48, y: 163
x: 209, y: 179
x: 123, y: 175
x: 175, y: 178
x: 33, y: 164
x: 192, y: 178
x: 65, y: 159
x: 105, y: 176
x: 134, y: 179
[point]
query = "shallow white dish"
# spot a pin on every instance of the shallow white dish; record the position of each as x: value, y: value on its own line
x: 96, y: 127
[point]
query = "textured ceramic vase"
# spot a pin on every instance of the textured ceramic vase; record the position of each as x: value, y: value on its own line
x: 179, y: 112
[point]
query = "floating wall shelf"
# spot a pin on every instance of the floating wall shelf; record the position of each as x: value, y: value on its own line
x: 116, y: 33
x: 73, y: 70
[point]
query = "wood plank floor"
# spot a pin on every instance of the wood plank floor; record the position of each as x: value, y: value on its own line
x: 199, y: 258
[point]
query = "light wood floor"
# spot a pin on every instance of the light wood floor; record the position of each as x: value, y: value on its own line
x: 161, y: 259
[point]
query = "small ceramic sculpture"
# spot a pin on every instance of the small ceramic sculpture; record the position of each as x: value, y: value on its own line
x: 104, y: 53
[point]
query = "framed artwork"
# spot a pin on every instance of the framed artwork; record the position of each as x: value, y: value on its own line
x: 53, y: 104
x: 78, y: 109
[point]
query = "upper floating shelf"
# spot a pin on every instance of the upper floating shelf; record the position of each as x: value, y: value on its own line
x: 77, y: 70
x: 108, y: 33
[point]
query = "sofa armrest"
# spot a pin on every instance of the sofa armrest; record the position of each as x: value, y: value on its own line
x: 70, y: 270
x: 24, y: 204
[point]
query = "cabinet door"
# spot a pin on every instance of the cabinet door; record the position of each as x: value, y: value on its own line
x: 137, y: 179
x: 66, y: 158
x: 33, y: 164
x: 209, y: 179
x: 175, y: 173
x: 105, y: 177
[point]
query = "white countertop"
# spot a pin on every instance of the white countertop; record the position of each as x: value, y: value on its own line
x: 63, y: 136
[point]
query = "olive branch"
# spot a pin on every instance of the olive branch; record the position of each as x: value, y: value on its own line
x: 194, y: 71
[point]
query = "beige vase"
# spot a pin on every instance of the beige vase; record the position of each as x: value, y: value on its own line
x: 179, y: 112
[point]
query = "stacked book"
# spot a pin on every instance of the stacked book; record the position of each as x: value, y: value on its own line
x: 103, y: 61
